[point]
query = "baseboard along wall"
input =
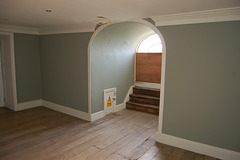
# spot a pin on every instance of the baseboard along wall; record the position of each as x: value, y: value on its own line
x: 197, y: 147
x: 66, y: 110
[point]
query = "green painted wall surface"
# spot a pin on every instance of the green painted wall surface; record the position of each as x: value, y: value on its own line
x: 27, y: 63
x: 64, y: 63
x: 112, y: 60
x: 203, y: 83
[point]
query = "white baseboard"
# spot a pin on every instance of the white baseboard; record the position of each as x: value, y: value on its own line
x: 29, y: 104
x: 120, y: 107
x: 98, y: 115
x: 198, y: 147
x: 101, y: 114
x: 130, y: 91
x: 67, y: 110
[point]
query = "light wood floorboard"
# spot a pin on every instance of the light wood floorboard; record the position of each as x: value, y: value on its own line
x: 44, y: 134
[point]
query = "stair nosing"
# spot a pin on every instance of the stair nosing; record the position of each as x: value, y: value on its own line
x: 153, y: 89
x: 144, y: 105
x: 144, y: 96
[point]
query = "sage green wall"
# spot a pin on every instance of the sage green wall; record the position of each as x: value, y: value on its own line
x: 112, y: 60
x: 203, y: 83
x: 64, y: 68
x: 27, y: 63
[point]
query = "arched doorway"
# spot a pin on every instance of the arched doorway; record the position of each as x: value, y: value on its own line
x: 103, y: 35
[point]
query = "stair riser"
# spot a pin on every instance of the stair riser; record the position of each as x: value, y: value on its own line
x: 146, y: 92
x: 144, y: 100
x: 143, y: 109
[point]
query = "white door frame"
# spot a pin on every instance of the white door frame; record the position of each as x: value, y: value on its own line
x: 2, y: 103
x: 13, y: 74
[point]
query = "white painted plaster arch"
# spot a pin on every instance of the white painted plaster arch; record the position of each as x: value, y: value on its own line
x: 151, y: 26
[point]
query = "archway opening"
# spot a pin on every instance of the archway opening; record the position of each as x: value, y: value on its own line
x: 111, y: 60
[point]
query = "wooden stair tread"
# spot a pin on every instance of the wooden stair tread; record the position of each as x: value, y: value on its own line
x: 143, y: 105
x: 144, y: 96
x: 152, y: 89
x: 146, y: 91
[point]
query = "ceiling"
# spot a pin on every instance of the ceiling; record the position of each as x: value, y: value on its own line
x: 48, y: 13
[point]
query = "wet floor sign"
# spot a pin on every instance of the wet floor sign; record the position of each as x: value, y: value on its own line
x: 109, y: 102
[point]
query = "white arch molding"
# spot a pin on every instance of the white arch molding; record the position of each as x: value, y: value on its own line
x: 162, y: 71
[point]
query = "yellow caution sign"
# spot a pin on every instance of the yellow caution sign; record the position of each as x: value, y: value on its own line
x: 109, y: 102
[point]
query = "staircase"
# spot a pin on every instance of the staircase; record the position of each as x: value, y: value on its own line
x: 144, y: 99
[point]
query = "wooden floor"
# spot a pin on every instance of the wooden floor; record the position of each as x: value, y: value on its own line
x: 44, y: 134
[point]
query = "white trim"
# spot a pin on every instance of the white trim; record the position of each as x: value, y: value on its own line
x: 29, y: 104
x: 98, y: 115
x: 217, y: 15
x: 11, y: 37
x: 2, y: 87
x: 89, y: 74
x: 67, y: 110
x: 198, y: 147
x: 130, y: 91
x: 101, y: 114
x: 148, y: 85
x: 47, y: 30
x: 14, y: 81
x: 120, y: 107
x: 18, y: 29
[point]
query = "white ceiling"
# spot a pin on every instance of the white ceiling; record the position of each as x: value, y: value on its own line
x: 32, y: 13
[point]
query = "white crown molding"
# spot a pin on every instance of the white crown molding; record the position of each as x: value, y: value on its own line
x: 197, y: 147
x: 218, y: 15
x: 48, y: 30
x: 18, y: 29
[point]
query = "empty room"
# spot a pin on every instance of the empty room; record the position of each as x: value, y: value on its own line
x: 123, y: 80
